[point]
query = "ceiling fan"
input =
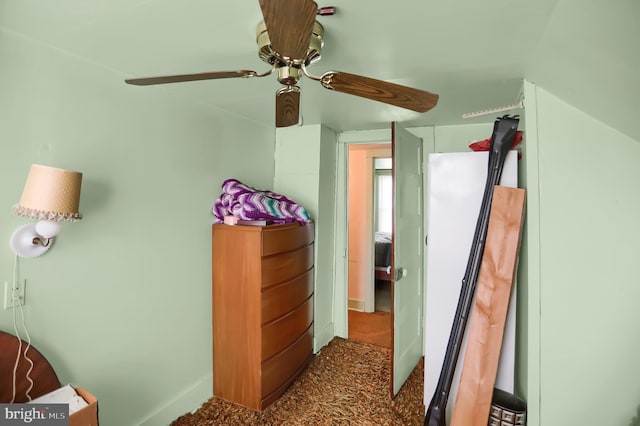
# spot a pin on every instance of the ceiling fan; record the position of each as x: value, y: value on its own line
x: 290, y: 39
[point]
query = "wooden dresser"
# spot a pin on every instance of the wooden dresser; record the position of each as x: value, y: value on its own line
x: 262, y: 310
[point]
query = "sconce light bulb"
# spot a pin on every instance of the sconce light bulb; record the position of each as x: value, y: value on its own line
x: 47, y: 228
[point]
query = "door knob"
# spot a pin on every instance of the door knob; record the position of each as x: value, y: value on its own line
x: 399, y: 274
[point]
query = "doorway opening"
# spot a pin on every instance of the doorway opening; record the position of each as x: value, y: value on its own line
x: 370, y: 225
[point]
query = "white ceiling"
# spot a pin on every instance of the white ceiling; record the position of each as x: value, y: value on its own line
x: 473, y: 54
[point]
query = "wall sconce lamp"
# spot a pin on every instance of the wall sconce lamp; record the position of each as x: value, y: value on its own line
x: 50, y: 195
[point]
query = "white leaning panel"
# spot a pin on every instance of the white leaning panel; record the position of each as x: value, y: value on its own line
x: 455, y: 187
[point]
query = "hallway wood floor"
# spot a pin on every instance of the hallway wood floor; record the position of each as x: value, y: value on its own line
x: 370, y: 327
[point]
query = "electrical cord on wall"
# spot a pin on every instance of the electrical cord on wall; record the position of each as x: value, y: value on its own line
x: 15, y: 328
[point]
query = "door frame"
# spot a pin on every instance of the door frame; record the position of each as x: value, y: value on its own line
x: 341, y: 279
x: 365, y: 212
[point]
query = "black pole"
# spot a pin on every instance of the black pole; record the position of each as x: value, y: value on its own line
x: 504, y: 132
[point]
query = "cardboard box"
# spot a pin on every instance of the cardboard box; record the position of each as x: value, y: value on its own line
x: 84, y: 415
x: 87, y: 416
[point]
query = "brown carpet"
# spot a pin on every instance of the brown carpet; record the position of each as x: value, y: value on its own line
x: 346, y: 383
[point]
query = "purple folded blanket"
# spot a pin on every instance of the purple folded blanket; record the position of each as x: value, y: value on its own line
x: 247, y: 203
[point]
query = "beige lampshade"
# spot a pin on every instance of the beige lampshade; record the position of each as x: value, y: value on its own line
x: 51, y: 194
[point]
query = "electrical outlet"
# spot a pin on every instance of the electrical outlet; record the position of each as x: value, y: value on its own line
x: 16, y: 292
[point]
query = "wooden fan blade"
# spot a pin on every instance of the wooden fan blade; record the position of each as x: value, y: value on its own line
x: 381, y: 91
x: 189, y: 77
x: 287, y: 106
x: 289, y: 25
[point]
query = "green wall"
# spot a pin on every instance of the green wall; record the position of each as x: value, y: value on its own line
x: 305, y: 172
x: 458, y: 138
x: 583, y: 234
x: 121, y: 305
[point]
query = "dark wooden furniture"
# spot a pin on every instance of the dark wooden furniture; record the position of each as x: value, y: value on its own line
x: 383, y: 274
x: 383, y: 243
x: 262, y: 310
x: 42, y: 374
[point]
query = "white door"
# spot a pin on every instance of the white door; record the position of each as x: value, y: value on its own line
x: 408, y: 244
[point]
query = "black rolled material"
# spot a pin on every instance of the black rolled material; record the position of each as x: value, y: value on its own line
x: 507, y: 409
x: 504, y: 133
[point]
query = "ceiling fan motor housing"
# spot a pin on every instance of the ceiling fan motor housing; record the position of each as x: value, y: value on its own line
x: 268, y: 55
x: 288, y: 75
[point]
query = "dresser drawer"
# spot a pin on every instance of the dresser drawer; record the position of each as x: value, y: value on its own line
x: 279, y: 334
x: 283, y: 267
x: 283, y: 238
x: 279, y: 369
x: 280, y: 299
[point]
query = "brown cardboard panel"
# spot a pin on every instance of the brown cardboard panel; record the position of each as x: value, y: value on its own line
x: 493, y: 292
x: 88, y: 416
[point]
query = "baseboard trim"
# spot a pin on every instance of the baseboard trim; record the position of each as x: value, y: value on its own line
x: 357, y: 305
x: 323, y: 337
x: 187, y: 401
